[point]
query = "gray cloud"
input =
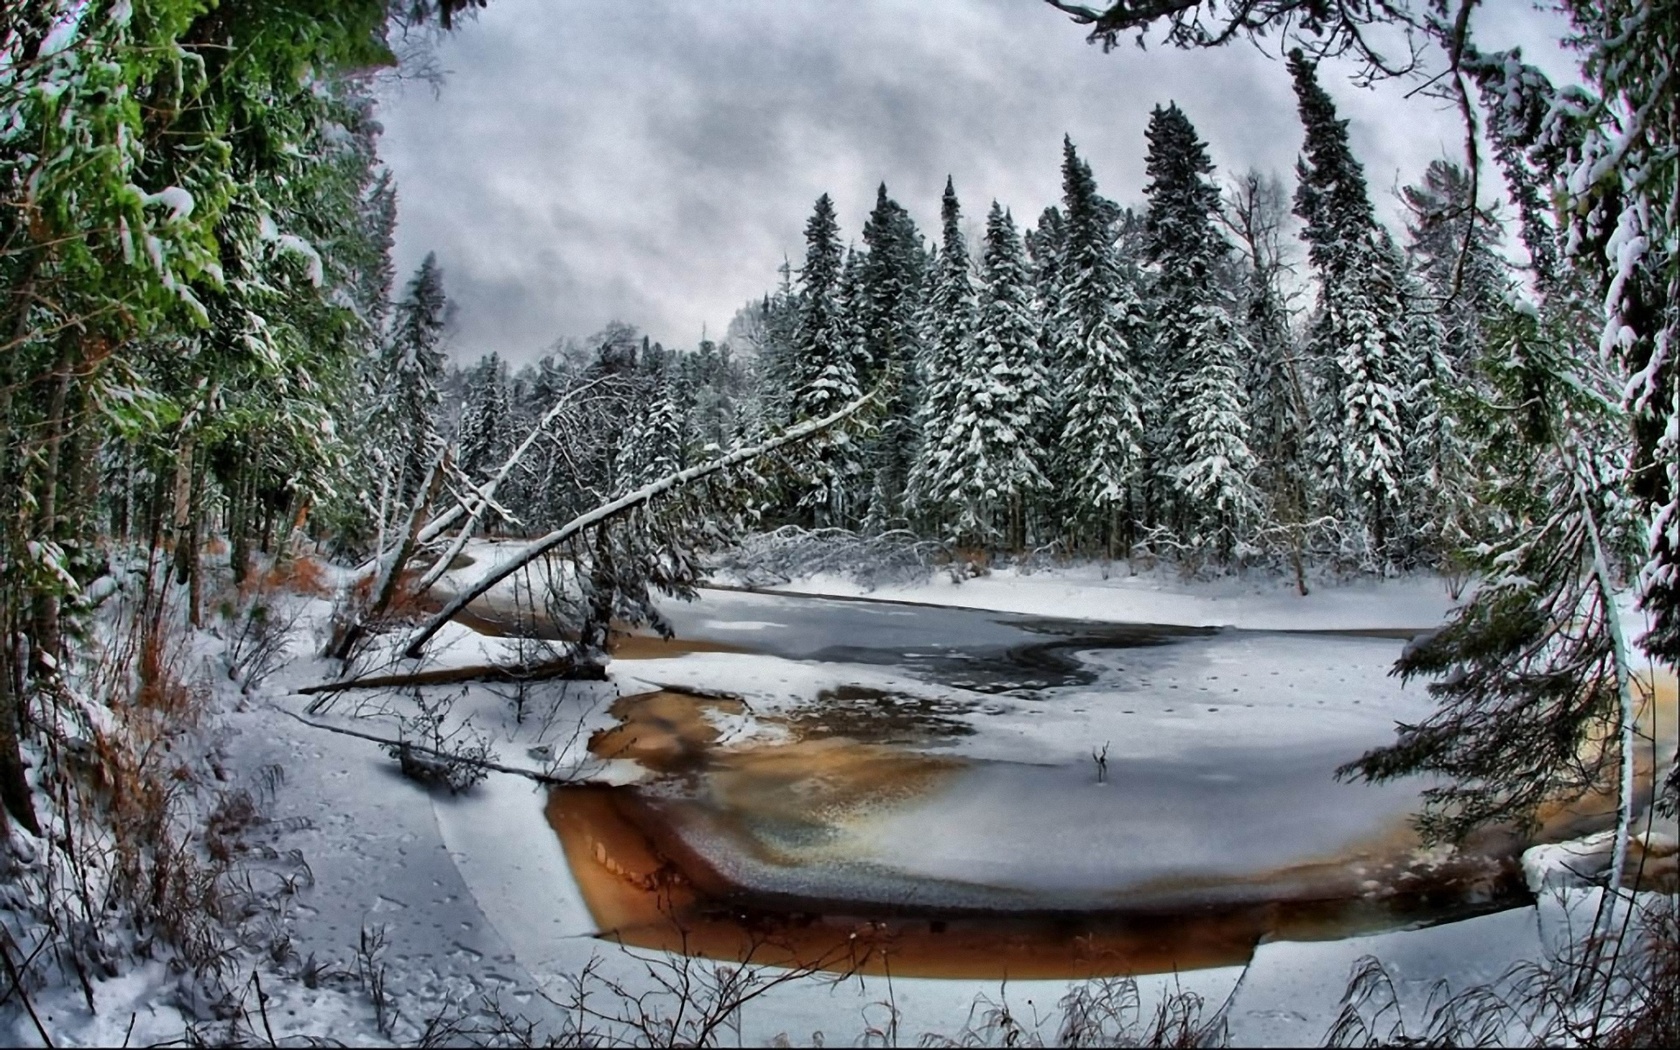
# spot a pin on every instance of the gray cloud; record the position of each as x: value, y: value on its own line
x: 653, y: 162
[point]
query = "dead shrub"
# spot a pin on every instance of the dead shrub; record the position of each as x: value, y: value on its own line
x: 299, y: 575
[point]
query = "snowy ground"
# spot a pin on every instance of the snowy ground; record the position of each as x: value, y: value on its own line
x: 473, y: 896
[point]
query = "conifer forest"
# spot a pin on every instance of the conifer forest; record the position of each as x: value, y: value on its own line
x: 1236, y: 607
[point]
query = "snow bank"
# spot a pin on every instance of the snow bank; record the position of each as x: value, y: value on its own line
x: 1107, y: 593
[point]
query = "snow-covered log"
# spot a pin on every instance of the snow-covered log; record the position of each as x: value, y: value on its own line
x: 628, y: 501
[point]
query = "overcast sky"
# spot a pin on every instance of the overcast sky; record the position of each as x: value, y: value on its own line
x: 653, y: 162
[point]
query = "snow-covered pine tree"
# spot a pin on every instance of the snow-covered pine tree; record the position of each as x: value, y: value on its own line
x: 411, y: 365
x: 1099, y: 327
x: 1453, y: 246
x: 652, y: 443
x: 949, y: 344
x: 486, y: 434
x: 1532, y: 673
x: 990, y: 456
x: 1454, y: 243
x: 893, y: 275
x: 1357, y: 344
x: 1206, y: 449
x: 825, y: 359
x: 1046, y: 244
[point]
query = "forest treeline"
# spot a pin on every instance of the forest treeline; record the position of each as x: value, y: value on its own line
x: 1111, y: 378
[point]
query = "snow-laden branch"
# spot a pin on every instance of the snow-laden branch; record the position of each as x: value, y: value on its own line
x: 629, y: 501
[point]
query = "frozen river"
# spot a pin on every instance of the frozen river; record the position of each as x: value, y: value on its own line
x: 1026, y: 779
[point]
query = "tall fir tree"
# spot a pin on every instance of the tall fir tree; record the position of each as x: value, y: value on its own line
x: 1208, y: 462
x: 892, y: 278
x: 486, y: 427
x: 1046, y: 245
x: 1358, y: 340
x: 412, y: 364
x: 1099, y: 329
x: 826, y: 359
x: 952, y: 316
x: 988, y: 459
x: 1460, y: 282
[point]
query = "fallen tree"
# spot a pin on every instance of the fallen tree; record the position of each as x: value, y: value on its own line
x: 629, y: 501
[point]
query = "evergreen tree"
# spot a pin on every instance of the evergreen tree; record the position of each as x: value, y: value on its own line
x: 413, y: 362
x: 988, y: 460
x: 1532, y: 673
x: 1358, y: 340
x: 827, y: 370
x: 952, y: 315
x: 893, y: 274
x: 1099, y: 328
x: 1046, y: 246
x: 652, y: 444
x: 1196, y: 339
x: 825, y: 355
x: 485, y: 431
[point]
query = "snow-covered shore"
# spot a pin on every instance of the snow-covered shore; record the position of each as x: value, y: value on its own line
x: 1109, y: 592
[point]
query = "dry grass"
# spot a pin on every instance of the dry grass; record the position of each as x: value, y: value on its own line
x: 299, y: 575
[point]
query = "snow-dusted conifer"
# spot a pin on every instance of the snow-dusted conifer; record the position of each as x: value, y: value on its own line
x: 989, y: 456
x: 952, y: 314
x: 1205, y: 453
x: 825, y: 359
x: 826, y: 366
x: 411, y: 366
x: 486, y: 430
x: 893, y: 275
x: 1358, y: 341
x: 1099, y: 327
x: 652, y: 444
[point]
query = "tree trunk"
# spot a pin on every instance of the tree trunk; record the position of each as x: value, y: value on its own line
x: 14, y: 786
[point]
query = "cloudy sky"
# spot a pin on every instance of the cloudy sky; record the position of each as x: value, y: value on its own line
x: 654, y: 161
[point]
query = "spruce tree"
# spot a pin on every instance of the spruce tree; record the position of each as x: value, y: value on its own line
x: 952, y: 315
x: 1461, y: 281
x: 412, y: 364
x: 485, y: 434
x: 1099, y: 327
x: 826, y: 369
x: 989, y: 457
x: 1046, y: 246
x: 1358, y: 341
x: 1197, y: 340
x: 825, y: 358
x: 892, y: 276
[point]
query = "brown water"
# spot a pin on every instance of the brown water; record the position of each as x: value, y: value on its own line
x: 646, y: 884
